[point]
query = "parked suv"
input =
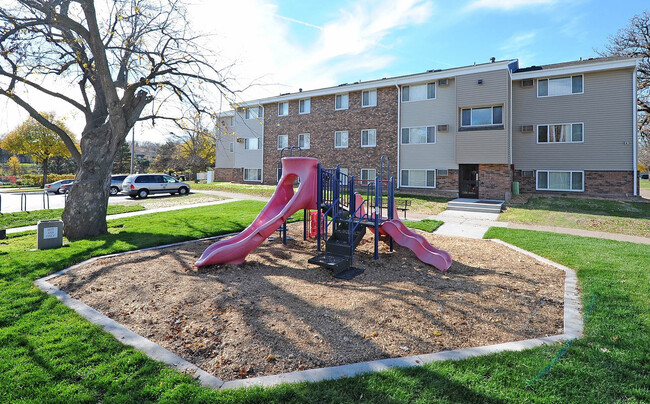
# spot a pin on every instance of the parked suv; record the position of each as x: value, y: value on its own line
x: 116, y: 183
x: 141, y: 185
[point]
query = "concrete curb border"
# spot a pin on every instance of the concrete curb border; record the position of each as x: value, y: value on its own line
x: 573, y: 328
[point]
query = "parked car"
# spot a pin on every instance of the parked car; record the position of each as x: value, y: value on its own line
x: 64, y: 189
x: 141, y: 185
x: 55, y: 187
x: 116, y: 183
x: 645, y: 176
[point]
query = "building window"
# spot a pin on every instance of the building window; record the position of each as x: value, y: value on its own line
x: 251, y: 143
x: 340, y: 139
x: 304, y: 106
x: 560, y: 133
x: 482, y: 116
x: 283, y: 108
x: 368, y: 175
x: 304, y: 141
x: 283, y: 141
x: 419, y: 135
x: 341, y: 101
x: 369, y: 138
x: 252, y: 174
x: 232, y: 147
x: 442, y: 172
x: 550, y: 180
x: 369, y: 98
x: 419, y: 92
x: 560, y: 86
x: 419, y: 178
x: 253, y: 112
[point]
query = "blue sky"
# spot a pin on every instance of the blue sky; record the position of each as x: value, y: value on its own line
x: 294, y: 43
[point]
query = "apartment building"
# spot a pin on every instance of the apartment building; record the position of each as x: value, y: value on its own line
x: 469, y: 131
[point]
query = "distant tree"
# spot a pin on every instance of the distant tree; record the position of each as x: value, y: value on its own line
x: 143, y: 164
x: 197, y: 146
x: 62, y: 165
x: 14, y: 165
x: 40, y: 142
x: 644, y: 157
x: 167, y: 158
x: 122, y: 162
x: 634, y: 40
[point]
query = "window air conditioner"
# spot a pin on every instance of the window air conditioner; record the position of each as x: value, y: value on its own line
x: 443, y: 128
x: 526, y: 128
x: 527, y: 83
x: 443, y: 82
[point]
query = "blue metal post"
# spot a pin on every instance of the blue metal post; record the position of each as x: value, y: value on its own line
x: 377, y: 215
x: 319, y: 202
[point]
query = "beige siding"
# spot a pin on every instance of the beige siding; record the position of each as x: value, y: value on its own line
x: 225, y: 134
x: 485, y: 146
x: 440, y: 111
x: 248, y: 128
x: 605, y: 108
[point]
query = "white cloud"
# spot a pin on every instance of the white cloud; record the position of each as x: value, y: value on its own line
x: 519, y: 46
x: 507, y: 4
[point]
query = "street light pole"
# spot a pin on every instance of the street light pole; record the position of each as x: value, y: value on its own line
x: 132, y: 147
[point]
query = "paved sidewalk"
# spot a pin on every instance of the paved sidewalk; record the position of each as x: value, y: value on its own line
x: 232, y: 195
x: 138, y: 213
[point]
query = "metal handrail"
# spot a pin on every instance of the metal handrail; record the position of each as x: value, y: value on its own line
x: 46, y: 197
x: 332, y: 208
x: 23, y: 205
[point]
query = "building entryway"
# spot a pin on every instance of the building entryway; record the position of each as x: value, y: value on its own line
x: 468, y: 181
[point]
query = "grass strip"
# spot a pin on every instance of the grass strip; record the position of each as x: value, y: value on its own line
x: 427, y: 225
x: 19, y: 219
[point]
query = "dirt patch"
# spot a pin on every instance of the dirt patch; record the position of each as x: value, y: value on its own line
x: 276, y: 313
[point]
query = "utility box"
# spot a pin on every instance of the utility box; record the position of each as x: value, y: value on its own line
x: 50, y: 234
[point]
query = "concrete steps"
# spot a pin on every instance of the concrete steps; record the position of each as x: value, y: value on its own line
x: 475, y: 205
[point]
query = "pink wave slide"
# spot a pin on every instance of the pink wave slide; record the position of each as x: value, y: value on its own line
x: 280, y: 207
x: 418, y: 244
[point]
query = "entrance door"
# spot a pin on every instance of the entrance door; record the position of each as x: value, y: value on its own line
x: 468, y: 181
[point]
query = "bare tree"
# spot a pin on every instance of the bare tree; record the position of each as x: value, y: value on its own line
x: 634, y: 40
x: 196, y: 146
x: 111, y: 66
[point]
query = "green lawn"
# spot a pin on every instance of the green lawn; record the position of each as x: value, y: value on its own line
x: 427, y: 205
x: 427, y: 225
x: 50, y: 354
x: 19, y: 219
x: 249, y: 189
x: 645, y: 184
x: 625, y: 217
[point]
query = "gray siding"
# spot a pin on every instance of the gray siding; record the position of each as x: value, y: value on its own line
x: 225, y: 134
x: 485, y: 146
x: 605, y: 108
x: 441, y: 111
x: 249, y: 128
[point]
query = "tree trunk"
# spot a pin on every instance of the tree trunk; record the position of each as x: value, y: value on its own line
x: 44, y: 172
x: 85, y: 211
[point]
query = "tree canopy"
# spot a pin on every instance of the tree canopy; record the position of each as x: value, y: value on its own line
x: 114, y: 63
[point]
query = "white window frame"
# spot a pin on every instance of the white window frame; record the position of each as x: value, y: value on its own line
x: 301, y: 106
x: 426, y: 171
x: 570, y: 137
x: 347, y: 139
x: 582, y: 79
x: 286, y: 137
x: 582, y: 189
x: 368, y: 178
x: 347, y: 102
x: 302, y: 137
x: 249, y: 170
x: 481, y: 126
x: 247, y: 146
x: 344, y: 180
x: 435, y: 134
x: 426, y: 92
x: 370, y: 104
x: 248, y: 113
x: 374, y: 144
x: 286, y: 110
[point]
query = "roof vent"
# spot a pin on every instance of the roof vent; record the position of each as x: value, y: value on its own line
x: 493, y: 59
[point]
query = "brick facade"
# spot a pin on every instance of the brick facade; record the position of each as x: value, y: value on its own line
x: 323, y: 121
x: 495, y: 181
x: 229, y: 174
x: 445, y: 186
x: 597, y: 183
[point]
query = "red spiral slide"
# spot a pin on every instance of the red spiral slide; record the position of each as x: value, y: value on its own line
x: 282, y: 204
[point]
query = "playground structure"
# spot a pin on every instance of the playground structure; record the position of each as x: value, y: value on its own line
x: 340, y: 208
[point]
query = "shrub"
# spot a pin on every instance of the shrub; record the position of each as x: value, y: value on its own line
x: 37, y: 180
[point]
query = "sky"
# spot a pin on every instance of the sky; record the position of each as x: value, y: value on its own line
x: 279, y: 46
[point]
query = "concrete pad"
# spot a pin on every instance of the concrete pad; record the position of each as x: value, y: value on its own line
x: 460, y: 230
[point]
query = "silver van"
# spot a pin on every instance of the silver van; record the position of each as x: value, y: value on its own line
x: 141, y: 185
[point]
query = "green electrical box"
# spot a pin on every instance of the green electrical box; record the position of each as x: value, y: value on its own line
x: 515, y: 187
x: 50, y: 234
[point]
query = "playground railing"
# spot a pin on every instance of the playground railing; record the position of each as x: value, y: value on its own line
x: 334, y: 209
